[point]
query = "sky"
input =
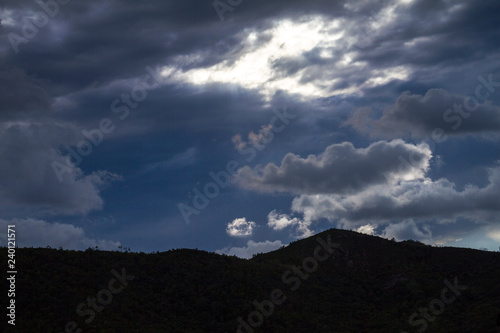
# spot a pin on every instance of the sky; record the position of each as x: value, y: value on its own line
x: 239, y: 126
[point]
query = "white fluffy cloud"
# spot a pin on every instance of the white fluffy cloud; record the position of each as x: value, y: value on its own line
x: 278, y: 221
x: 368, y: 229
x: 39, y: 233
x: 252, y: 247
x: 240, y: 227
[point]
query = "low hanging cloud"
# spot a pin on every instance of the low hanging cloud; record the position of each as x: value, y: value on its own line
x: 408, y: 229
x: 240, y: 227
x: 404, y: 230
x: 432, y: 115
x: 422, y: 199
x: 367, y: 229
x: 340, y: 169
x: 39, y: 233
x: 251, y: 248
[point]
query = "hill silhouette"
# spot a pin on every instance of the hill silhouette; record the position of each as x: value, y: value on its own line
x: 336, y: 281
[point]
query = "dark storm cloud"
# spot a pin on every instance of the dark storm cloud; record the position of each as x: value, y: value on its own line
x: 341, y: 169
x: 93, y: 43
x: 435, y: 114
x: 87, y: 49
x: 211, y: 113
x: 97, y: 42
x: 22, y: 96
x: 440, y: 33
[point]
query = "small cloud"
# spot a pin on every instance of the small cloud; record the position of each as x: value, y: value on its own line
x: 240, y: 227
x: 368, y: 229
x: 238, y: 142
x: 252, y: 247
x: 281, y: 221
x: 264, y: 136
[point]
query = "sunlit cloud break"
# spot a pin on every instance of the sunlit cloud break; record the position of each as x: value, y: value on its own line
x: 317, y: 45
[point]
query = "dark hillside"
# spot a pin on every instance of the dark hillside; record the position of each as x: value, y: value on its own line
x: 367, y: 284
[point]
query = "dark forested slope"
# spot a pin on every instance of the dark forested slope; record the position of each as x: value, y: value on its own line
x: 337, y: 281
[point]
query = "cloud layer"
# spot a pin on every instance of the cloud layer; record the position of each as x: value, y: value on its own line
x: 421, y: 199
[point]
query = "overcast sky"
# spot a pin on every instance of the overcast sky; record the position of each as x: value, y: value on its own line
x: 239, y: 126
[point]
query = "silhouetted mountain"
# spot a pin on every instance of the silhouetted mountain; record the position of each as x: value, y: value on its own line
x: 336, y: 281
